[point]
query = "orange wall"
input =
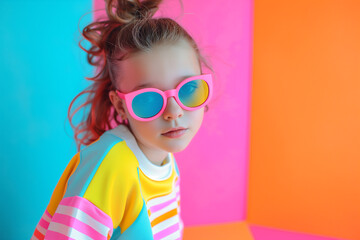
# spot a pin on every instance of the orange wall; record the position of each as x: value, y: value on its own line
x: 305, y: 121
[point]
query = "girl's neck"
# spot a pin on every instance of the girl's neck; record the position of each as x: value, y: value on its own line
x: 157, y: 157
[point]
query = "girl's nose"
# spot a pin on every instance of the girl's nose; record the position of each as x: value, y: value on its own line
x: 172, y: 110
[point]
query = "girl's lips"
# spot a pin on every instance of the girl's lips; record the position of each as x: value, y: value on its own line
x: 175, y: 134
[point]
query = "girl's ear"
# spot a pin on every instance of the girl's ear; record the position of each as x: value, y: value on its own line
x: 118, y: 104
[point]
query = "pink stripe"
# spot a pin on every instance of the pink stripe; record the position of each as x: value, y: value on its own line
x: 89, y: 208
x: 48, y: 214
x: 78, y: 225
x: 177, y: 183
x: 44, y: 223
x: 160, y: 206
x: 166, y: 232
x: 50, y: 235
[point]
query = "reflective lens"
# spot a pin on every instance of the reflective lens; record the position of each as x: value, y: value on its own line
x: 147, y: 104
x: 194, y: 93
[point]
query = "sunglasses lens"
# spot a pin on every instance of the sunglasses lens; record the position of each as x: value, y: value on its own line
x: 147, y: 104
x: 194, y: 93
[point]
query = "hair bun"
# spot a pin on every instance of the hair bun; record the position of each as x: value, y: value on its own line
x: 129, y: 10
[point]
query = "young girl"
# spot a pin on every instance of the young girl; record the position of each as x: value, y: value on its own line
x: 124, y: 184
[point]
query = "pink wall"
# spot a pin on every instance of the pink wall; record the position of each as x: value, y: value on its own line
x: 214, y: 166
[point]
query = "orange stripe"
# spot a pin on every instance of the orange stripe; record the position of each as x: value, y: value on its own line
x: 61, y: 186
x: 38, y: 234
x: 164, y: 217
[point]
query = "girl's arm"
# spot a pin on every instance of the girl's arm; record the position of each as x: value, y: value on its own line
x: 74, y: 218
x: 98, y: 192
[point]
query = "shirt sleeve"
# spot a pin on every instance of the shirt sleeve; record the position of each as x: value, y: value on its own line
x: 42, y: 226
x: 72, y: 217
x: 78, y: 218
x: 90, y: 202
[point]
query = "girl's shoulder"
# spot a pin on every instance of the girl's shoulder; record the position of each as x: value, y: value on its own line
x: 103, y: 162
x: 99, y: 179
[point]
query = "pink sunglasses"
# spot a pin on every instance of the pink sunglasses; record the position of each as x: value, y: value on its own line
x: 149, y: 103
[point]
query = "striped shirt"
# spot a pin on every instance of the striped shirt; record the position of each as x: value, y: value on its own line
x: 110, y: 190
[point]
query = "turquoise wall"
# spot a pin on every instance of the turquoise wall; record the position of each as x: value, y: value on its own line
x: 41, y: 70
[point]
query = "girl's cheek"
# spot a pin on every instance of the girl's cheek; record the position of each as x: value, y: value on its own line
x: 198, y: 114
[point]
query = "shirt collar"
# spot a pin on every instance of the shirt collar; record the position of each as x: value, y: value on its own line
x: 151, y: 170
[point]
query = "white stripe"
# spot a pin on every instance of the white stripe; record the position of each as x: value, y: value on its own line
x: 165, y: 224
x: 46, y: 217
x: 41, y: 229
x: 67, y: 231
x: 83, y: 217
x: 163, y: 211
x: 159, y: 200
x: 181, y: 224
x: 175, y: 235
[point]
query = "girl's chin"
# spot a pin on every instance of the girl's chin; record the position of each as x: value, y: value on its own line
x: 176, y: 147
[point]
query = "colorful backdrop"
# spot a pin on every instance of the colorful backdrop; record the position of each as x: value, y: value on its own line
x: 214, y: 166
x: 41, y: 70
x: 279, y: 149
x: 304, y: 171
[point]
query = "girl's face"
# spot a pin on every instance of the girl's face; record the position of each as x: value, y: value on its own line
x: 164, y: 67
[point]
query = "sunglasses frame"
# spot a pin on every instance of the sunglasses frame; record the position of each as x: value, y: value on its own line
x: 128, y: 97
